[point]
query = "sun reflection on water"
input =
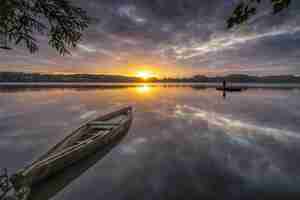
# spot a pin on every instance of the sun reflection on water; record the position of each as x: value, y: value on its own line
x: 144, y: 89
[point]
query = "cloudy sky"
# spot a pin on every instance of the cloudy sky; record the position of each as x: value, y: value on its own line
x: 172, y: 38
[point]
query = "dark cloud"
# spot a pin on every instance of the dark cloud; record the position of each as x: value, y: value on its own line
x: 185, y: 34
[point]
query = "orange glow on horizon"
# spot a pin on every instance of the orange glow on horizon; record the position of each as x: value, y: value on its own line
x: 143, y: 71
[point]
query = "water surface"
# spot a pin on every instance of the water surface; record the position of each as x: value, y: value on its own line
x: 184, y: 143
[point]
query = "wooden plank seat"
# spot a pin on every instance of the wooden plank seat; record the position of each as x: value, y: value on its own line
x: 102, y: 127
x: 80, y: 143
x: 91, y: 136
x: 100, y: 134
x: 113, y: 122
x: 105, y: 123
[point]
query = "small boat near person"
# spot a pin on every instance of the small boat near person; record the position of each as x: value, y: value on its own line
x: 90, y: 137
x: 230, y: 89
x: 226, y: 88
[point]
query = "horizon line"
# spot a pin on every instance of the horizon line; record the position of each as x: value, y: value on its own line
x: 153, y: 77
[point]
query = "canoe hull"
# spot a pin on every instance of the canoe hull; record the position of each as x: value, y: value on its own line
x: 65, y: 161
x: 34, y: 175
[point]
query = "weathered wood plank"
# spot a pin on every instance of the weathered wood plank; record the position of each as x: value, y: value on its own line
x: 103, y: 123
x: 103, y: 127
x: 75, y: 147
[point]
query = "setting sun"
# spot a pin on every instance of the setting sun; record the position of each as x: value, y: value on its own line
x: 145, y: 74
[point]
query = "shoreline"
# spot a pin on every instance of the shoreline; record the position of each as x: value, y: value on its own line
x: 12, y: 85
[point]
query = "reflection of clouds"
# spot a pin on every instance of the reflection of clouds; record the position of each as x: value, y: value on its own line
x: 132, y: 147
x: 206, y: 152
x: 76, y: 107
x: 17, y: 133
x: 49, y: 101
x: 11, y: 114
x: 256, y: 153
x: 230, y: 124
x: 88, y: 114
x: 2, y: 113
x: 23, y: 142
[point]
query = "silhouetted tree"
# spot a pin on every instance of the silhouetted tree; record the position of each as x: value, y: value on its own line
x: 22, y: 20
x: 247, y: 8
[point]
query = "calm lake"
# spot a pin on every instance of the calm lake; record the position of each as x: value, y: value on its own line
x: 185, y: 142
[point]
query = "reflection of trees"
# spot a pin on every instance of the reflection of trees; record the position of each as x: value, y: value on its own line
x: 12, y: 88
x: 199, y: 87
x: 85, y: 87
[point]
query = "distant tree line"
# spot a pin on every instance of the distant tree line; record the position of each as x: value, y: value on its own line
x: 37, y: 77
x: 235, y: 78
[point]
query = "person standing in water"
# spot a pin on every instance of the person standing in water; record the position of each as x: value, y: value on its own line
x: 224, y: 89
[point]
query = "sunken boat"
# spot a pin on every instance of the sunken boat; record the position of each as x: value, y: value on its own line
x: 89, y: 138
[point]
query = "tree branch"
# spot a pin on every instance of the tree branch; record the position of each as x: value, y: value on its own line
x: 22, y: 20
x: 248, y: 8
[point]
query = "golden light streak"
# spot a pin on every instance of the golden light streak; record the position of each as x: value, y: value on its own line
x: 143, y: 89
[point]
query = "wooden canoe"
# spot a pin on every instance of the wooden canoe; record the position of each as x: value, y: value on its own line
x: 90, y: 137
x: 48, y: 189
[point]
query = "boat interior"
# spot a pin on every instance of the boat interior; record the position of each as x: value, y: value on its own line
x: 97, y: 128
x: 101, y: 127
x: 92, y: 130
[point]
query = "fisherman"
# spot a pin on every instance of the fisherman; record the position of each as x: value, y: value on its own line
x: 224, y: 84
